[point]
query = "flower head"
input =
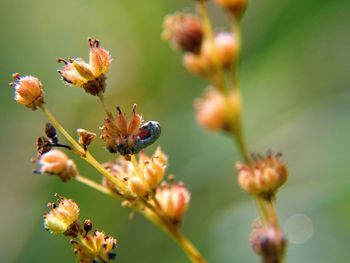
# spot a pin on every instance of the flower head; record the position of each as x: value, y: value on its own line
x: 184, y: 31
x: 56, y: 162
x: 174, y: 200
x: 62, y: 218
x: 128, y: 137
x: 263, y: 176
x: 90, y: 76
x: 96, y: 245
x: 85, y: 137
x: 217, y: 111
x: 28, y: 91
x: 268, y: 241
x: 235, y: 7
x: 144, y: 178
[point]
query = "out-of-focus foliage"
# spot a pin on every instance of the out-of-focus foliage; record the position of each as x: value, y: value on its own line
x: 295, y: 82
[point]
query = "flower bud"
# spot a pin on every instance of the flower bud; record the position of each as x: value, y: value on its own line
x: 90, y: 76
x: 28, y: 91
x: 56, y: 162
x: 95, y: 246
x: 263, y: 176
x: 62, y: 218
x: 85, y: 137
x: 198, y: 65
x: 173, y: 199
x: 184, y: 31
x: 222, y: 52
x: 268, y: 241
x: 234, y: 7
x: 217, y: 111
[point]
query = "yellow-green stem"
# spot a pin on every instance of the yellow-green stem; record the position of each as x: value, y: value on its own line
x: 189, y: 249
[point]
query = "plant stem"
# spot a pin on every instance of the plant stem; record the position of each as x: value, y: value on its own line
x: 86, y: 155
x: 151, y: 214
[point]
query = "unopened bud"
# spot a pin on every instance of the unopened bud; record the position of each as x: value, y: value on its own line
x: 62, y: 218
x: 174, y: 200
x: 28, y: 91
x: 268, y: 241
x: 234, y: 7
x: 222, y: 52
x: 56, y: 162
x: 184, y: 31
x: 263, y: 175
x: 217, y: 111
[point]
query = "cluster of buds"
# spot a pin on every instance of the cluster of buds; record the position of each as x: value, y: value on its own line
x: 63, y: 218
x: 131, y: 137
x: 28, y: 91
x: 211, y: 56
x: 263, y: 175
x: 89, y: 76
x: 216, y: 111
x: 173, y: 199
x: 215, y: 55
x: 268, y: 241
x: 140, y: 179
x: 56, y: 162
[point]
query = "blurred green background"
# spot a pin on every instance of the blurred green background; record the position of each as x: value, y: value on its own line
x: 295, y: 74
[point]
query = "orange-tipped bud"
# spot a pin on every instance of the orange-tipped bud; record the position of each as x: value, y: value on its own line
x: 234, y: 7
x: 90, y: 76
x: 263, y: 176
x: 56, y: 162
x: 174, y: 200
x: 28, y: 91
x: 268, y: 241
x: 85, y: 137
x: 184, y: 31
x: 62, y: 218
x: 217, y: 111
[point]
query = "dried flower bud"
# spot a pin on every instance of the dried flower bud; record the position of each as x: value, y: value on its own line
x: 85, y: 137
x: 56, y: 162
x: 268, y: 241
x: 263, y: 176
x: 28, y: 91
x: 90, y: 76
x: 96, y: 246
x: 50, y: 132
x: 184, y: 31
x: 62, y: 218
x: 222, y: 52
x: 173, y: 199
x: 217, y: 111
x: 130, y: 137
x: 235, y: 7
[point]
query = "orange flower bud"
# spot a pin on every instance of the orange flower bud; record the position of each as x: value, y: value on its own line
x: 198, y: 64
x: 222, y: 52
x: 173, y: 199
x: 217, y: 111
x: 184, y: 31
x: 28, y: 91
x: 235, y: 7
x: 263, y: 176
x: 62, y: 218
x: 90, y: 76
x: 56, y: 162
